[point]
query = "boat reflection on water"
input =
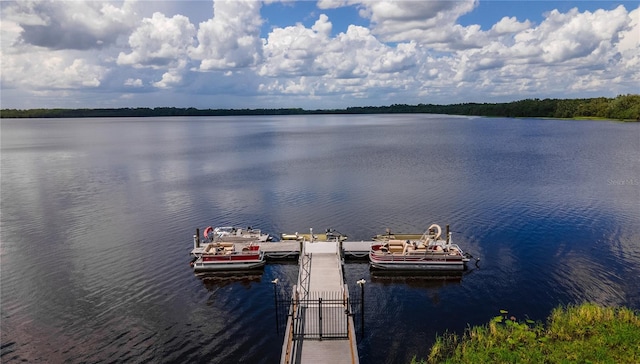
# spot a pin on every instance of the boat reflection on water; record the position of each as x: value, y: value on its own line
x: 215, y: 280
x: 418, y: 279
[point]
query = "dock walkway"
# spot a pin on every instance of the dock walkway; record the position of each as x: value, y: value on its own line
x: 319, y: 328
x: 291, y: 249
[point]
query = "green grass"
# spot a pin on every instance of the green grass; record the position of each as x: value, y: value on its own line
x: 585, y: 333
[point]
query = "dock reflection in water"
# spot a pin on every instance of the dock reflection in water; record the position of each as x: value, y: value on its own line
x: 215, y: 280
x: 418, y: 279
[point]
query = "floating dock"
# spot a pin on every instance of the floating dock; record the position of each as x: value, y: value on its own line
x: 320, y: 326
x: 291, y: 249
x: 320, y: 318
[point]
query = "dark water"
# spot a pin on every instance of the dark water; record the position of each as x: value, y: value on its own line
x: 97, y: 217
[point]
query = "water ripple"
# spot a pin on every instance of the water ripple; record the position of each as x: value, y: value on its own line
x: 95, y: 236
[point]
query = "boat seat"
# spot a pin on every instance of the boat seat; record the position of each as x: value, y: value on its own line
x: 408, y: 248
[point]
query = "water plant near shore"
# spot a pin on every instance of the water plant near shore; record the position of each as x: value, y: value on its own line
x: 586, y: 333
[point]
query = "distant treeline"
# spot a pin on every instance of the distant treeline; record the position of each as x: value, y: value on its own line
x: 623, y: 107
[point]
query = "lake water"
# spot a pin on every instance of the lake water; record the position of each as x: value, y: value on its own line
x: 97, y: 218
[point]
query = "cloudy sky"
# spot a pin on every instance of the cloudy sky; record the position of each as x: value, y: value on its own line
x: 313, y: 54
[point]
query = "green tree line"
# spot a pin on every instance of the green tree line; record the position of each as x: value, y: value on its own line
x: 622, y: 107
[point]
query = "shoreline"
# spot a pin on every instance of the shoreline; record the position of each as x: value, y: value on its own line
x: 625, y: 108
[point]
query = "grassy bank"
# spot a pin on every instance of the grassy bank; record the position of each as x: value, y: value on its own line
x: 585, y: 333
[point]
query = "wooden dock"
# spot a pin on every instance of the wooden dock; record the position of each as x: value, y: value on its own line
x: 320, y: 328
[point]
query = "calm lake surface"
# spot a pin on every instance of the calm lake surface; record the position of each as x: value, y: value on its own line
x: 97, y: 218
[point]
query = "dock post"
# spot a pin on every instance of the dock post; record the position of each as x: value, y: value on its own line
x: 196, y: 239
x: 275, y: 302
x: 448, y: 235
x: 361, y: 284
x: 320, y: 316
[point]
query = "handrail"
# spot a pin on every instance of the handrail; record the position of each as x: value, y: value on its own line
x: 304, y: 275
x: 289, y: 334
x: 339, y: 260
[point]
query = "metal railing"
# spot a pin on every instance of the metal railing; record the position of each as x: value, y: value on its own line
x: 334, y: 315
x: 322, y: 315
x: 304, y: 275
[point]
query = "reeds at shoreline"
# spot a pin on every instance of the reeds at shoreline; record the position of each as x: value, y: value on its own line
x: 586, y: 333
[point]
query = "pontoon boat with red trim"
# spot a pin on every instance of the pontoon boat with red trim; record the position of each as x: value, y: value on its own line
x: 225, y: 257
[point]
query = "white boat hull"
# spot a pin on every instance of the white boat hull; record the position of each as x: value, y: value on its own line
x: 418, y: 266
x: 200, y: 266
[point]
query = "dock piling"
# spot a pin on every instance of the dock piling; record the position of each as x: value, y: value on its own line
x: 361, y: 284
x: 275, y: 303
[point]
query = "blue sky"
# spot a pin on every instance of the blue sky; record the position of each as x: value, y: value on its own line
x: 314, y: 54
x: 306, y: 12
x: 489, y: 12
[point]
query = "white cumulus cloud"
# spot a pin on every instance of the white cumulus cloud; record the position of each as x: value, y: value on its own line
x: 231, y: 39
x: 133, y: 82
x: 566, y: 52
x: 409, y: 52
x: 70, y: 24
x: 51, y: 71
x: 159, y: 42
x: 308, y: 61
